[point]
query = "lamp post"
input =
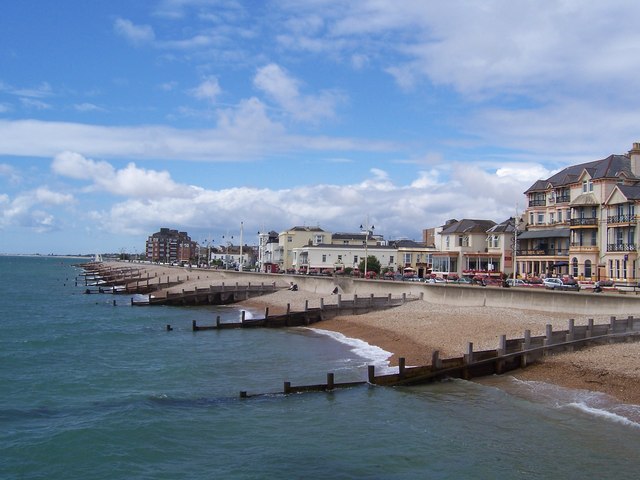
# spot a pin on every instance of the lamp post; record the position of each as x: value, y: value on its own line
x: 368, y: 231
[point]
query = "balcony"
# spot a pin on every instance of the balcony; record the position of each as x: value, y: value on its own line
x: 563, y: 199
x: 621, y: 219
x: 538, y: 202
x: 583, y: 248
x: 622, y: 247
x: 549, y: 252
x: 584, y: 222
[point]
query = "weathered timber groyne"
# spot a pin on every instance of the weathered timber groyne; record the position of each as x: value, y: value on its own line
x: 211, y: 295
x: 510, y: 355
x: 357, y: 306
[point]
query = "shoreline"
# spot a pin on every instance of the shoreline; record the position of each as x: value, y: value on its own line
x: 416, y: 329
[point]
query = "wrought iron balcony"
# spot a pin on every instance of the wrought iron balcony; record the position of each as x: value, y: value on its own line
x: 538, y: 203
x: 552, y: 252
x: 563, y: 199
x: 621, y: 219
x: 622, y: 247
x: 584, y: 222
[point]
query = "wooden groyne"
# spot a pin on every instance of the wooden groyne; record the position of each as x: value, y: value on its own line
x: 211, y: 295
x: 357, y: 306
x: 510, y: 355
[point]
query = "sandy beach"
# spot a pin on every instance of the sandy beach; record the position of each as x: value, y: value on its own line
x: 416, y: 329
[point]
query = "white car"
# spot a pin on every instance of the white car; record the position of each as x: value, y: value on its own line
x: 558, y: 284
x: 517, y: 282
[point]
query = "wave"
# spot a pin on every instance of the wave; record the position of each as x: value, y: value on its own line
x: 605, y: 414
x: 376, y: 355
x: 589, y: 402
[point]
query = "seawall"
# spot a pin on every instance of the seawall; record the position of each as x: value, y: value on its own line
x: 523, y: 298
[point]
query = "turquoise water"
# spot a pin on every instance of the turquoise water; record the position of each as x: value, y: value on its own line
x: 93, y: 390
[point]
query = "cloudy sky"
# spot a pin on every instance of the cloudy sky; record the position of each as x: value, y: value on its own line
x: 119, y: 117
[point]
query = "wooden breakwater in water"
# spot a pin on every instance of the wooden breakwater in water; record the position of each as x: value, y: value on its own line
x: 357, y: 306
x: 510, y: 355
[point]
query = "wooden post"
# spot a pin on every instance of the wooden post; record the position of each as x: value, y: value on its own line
x: 468, y: 357
x: 371, y: 300
x: 502, y: 346
x: 243, y: 394
x: 571, y: 330
x: 589, y: 328
x: 169, y: 328
x: 330, y: 384
x: 194, y: 326
x: 404, y: 298
x: 287, y: 388
x: 371, y: 373
x: 548, y: 336
x: 421, y: 295
x: 339, y: 300
x: 321, y: 304
x: 630, y: 323
x: 389, y: 299
x: 242, y: 316
x: 401, y: 367
x: 306, y: 305
x: 612, y: 324
x: 218, y: 321
x: 436, y: 363
x: 266, y: 313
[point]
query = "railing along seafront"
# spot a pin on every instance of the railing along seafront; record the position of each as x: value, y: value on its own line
x: 510, y: 355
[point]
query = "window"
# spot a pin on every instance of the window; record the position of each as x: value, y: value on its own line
x: 339, y: 258
x: 355, y: 259
x: 540, y: 218
x: 587, y: 268
x: 407, y: 258
x: 587, y: 186
x: 494, y: 241
x: 552, y: 218
x: 390, y: 259
x: 574, y: 267
x: 531, y: 218
x: 289, y: 239
x: 568, y: 214
x: 324, y: 259
x: 446, y: 242
x: 559, y: 216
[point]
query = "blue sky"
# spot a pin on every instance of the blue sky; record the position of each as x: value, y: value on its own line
x: 118, y: 117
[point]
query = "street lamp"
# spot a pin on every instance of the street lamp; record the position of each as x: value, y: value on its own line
x: 368, y: 231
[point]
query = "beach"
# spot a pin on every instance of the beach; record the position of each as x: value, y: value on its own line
x: 417, y: 328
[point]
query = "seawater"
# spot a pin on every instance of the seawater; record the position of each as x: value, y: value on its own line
x: 93, y: 390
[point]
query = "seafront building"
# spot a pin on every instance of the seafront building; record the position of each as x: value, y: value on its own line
x: 170, y: 246
x: 582, y: 221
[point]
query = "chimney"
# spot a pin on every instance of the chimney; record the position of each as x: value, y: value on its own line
x: 634, y: 155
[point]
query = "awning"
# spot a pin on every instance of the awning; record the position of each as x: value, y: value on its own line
x: 551, y: 233
x: 559, y: 264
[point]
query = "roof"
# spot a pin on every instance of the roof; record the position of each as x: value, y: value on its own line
x: 610, y: 167
x: 504, y: 227
x: 585, y: 199
x: 631, y: 192
x: 551, y: 233
x: 407, y: 244
x: 467, y: 225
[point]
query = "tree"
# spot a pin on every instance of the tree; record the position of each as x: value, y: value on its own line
x: 373, y: 264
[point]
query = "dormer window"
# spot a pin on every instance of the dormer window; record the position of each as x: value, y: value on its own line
x: 587, y: 186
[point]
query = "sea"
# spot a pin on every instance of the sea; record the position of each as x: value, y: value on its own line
x: 92, y: 387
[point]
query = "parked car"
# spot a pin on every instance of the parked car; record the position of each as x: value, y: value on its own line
x: 435, y: 280
x: 462, y: 281
x: 559, y: 284
x: 517, y: 282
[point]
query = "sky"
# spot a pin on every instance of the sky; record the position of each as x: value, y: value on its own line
x: 217, y: 117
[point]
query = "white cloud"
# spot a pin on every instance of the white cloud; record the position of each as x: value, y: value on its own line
x: 88, y: 107
x: 209, y: 89
x: 242, y: 133
x: 31, y: 209
x: 285, y: 91
x: 136, y: 34
x: 130, y: 181
x: 395, y: 209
